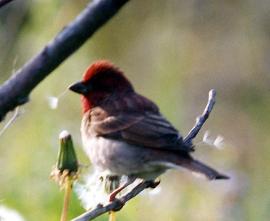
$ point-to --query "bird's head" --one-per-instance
(100, 82)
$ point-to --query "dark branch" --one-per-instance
(4, 2)
(116, 204)
(201, 119)
(16, 90)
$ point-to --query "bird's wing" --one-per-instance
(149, 129)
(154, 131)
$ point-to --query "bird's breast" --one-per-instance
(120, 158)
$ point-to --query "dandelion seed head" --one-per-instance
(92, 192)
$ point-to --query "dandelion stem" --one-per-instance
(68, 187)
(112, 216)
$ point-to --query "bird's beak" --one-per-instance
(79, 87)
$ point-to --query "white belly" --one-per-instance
(120, 158)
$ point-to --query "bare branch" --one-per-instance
(16, 90)
(11, 120)
(4, 2)
(201, 119)
(116, 204)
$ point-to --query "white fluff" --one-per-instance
(7, 214)
(64, 134)
(91, 192)
(217, 142)
(53, 102)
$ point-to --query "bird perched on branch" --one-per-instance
(124, 133)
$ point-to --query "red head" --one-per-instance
(101, 80)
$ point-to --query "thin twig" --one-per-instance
(116, 204)
(11, 120)
(16, 90)
(201, 119)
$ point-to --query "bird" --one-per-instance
(125, 133)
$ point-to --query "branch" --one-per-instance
(16, 90)
(201, 119)
(116, 204)
(4, 2)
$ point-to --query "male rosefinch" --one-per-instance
(124, 133)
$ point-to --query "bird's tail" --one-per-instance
(199, 167)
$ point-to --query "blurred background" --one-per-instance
(174, 52)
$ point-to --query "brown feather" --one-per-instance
(139, 123)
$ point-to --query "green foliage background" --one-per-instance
(174, 52)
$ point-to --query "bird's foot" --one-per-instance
(113, 194)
